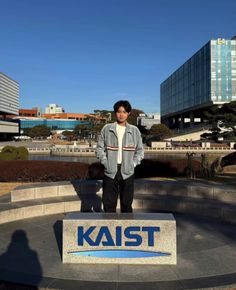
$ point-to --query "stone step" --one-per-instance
(171, 188)
(43, 190)
(12, 211)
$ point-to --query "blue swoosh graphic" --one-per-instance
(119, 254)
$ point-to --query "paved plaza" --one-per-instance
(30, 253)
(31, 248)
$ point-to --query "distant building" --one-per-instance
(54, 109)
(76, 116)
(34, 112)
(9, 107)
(207, 78)
(149, 120)
(53, 124)
(9, 96)
(104, 114)
(71, 116)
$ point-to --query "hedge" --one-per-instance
(39, 170)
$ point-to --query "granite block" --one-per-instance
(45, 192)
(19, 213)
(72, 206)
(228, 196)
(119, 239)
(229, 215)
(33, 211)
(22, 194)
(53, 208)
(206, 209)
(6, 216)
(201, 192)
(66, 190)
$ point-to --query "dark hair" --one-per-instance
(122, 103)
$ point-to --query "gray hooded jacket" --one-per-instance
(132, 150)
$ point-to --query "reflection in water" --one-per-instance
(90, 160)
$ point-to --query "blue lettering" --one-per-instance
(118, 236)
(85, 236)
(104, 231)
(104, 237)
(136, 237)
(151, 231)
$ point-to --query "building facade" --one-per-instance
(9, 107)
(9, 96)
(207, 78)
(54, 109)
(34, 112)
(53, 124)
(77, 116)
(148, 121)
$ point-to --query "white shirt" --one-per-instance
(120, 133)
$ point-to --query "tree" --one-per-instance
(70, 135)
(27, 131)
(40, 131)
(80, 130)
(134, 115)
(132, 118)
(223, 121)
(96, 129)
(104, 114)
(160, 130)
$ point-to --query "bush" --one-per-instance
(229, 159)
(153, 168)
(8, 153)
(47, 171)
(22, 153)
(14, 153)
(41, 171)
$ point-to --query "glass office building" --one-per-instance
(53, 124)
(207, 78)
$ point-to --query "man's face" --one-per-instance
(122, 115)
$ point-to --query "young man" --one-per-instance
(119, 149)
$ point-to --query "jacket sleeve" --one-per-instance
(139, 152)
(100, 149)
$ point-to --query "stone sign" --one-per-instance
(139, 238)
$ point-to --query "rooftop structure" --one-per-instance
(148, 121)
(54, 109)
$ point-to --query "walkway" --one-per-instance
(30, 252)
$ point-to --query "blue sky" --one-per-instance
(87, 54)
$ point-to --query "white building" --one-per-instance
(9, 96)
(148, 120)
(54, 109)
(9, 106)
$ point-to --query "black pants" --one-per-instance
(112, 188)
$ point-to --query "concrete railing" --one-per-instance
(39, 150)
(190, 149)
(73, 151)
(91, 151)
